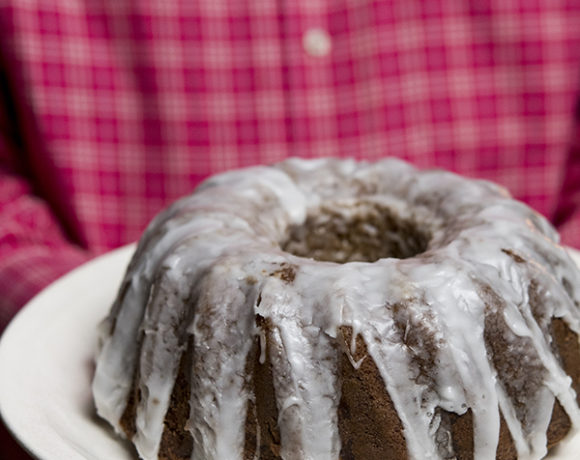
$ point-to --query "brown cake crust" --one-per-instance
(176, 441)
(262, 413)
(367, 420)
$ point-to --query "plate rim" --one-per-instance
(26, 317)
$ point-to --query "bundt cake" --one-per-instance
(325, 309)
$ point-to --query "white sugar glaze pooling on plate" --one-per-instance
(203, 250)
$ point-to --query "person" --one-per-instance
(111, 110)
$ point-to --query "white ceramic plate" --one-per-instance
(46, 367)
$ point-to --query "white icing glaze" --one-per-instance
(208, 265)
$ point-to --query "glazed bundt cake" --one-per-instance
(325, 309)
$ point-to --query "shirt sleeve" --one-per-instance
(567, 215)
(33, 249)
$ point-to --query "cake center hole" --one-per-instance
(361, 232)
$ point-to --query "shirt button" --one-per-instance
(317, 42)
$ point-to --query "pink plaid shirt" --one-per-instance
(111, 109)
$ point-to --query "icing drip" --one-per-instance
(306, 382)
(221, 344)
(212, 263)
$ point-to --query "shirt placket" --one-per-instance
(307, 53)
